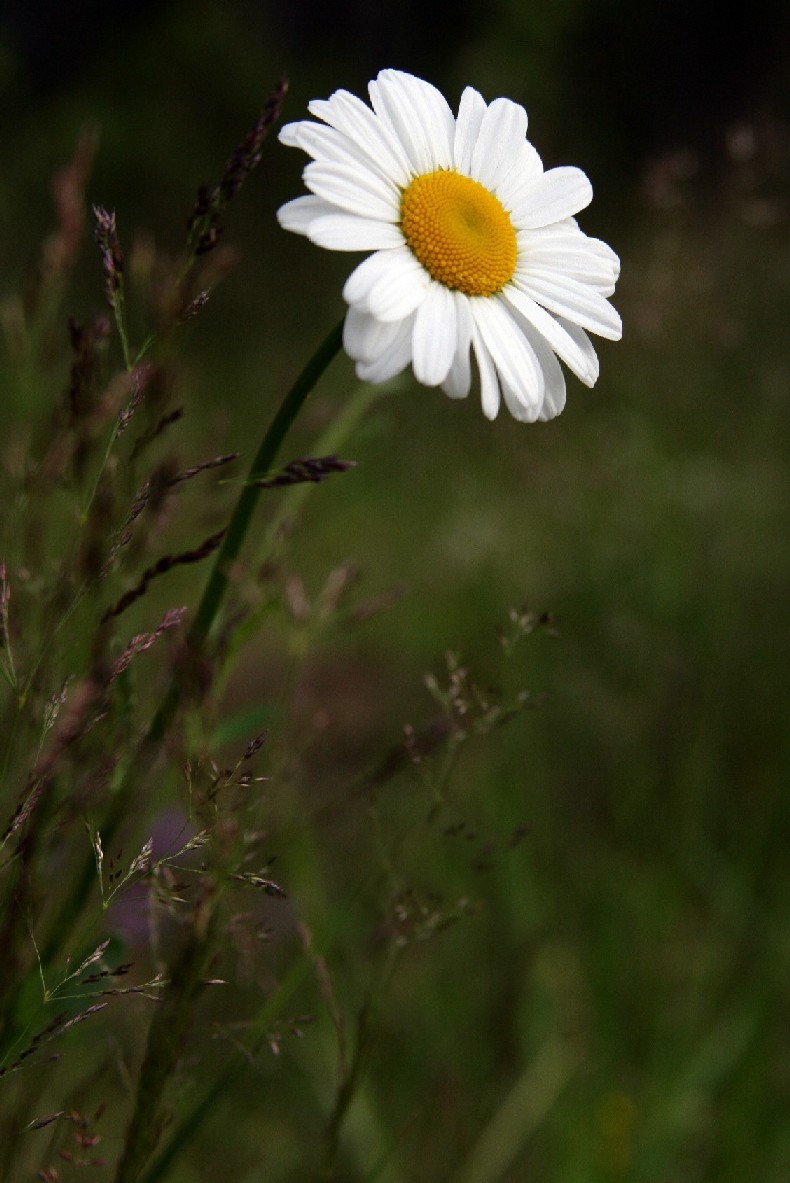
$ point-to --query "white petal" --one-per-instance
(561, 232)
(388, 284)
(299, 214)
(489, 382)
(434, 341)
(564, 257)
(602, 250)
(329, 146)
(289, 133)
(553, 196)
(419, 116)
(554, 392)
(365, 338)
(317, 140)
(399, 289)
(459, 377)
(354, 189)
(392, 359)
(471, 110)
(565, 251)
(561, 264)
(513, 356)
(458, 380)
(399, 293)
(580, 304)
(522, 412)
(554, 333)
(351, 116)
(527, 167)
(359, 283)
(502, 131)
(565, 247)
(338, 231)
(583, 343)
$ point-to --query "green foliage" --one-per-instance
(423, 884)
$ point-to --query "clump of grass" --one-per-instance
(115, 675)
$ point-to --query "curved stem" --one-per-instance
(206, 614)
(242, 514)
(169, 1026)
(264, 458)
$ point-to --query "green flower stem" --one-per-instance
(248, 500)
(242, 514)
(206, 614)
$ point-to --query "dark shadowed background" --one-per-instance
(614, 1007)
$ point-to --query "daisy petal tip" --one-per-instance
(291, 216)
(286, 135)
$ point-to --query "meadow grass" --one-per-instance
(467, 829)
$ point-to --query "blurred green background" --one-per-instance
(614, 1006)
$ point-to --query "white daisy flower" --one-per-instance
(475, 247)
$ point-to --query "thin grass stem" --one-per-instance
(207, 611)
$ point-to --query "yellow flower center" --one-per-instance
(459, 232)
